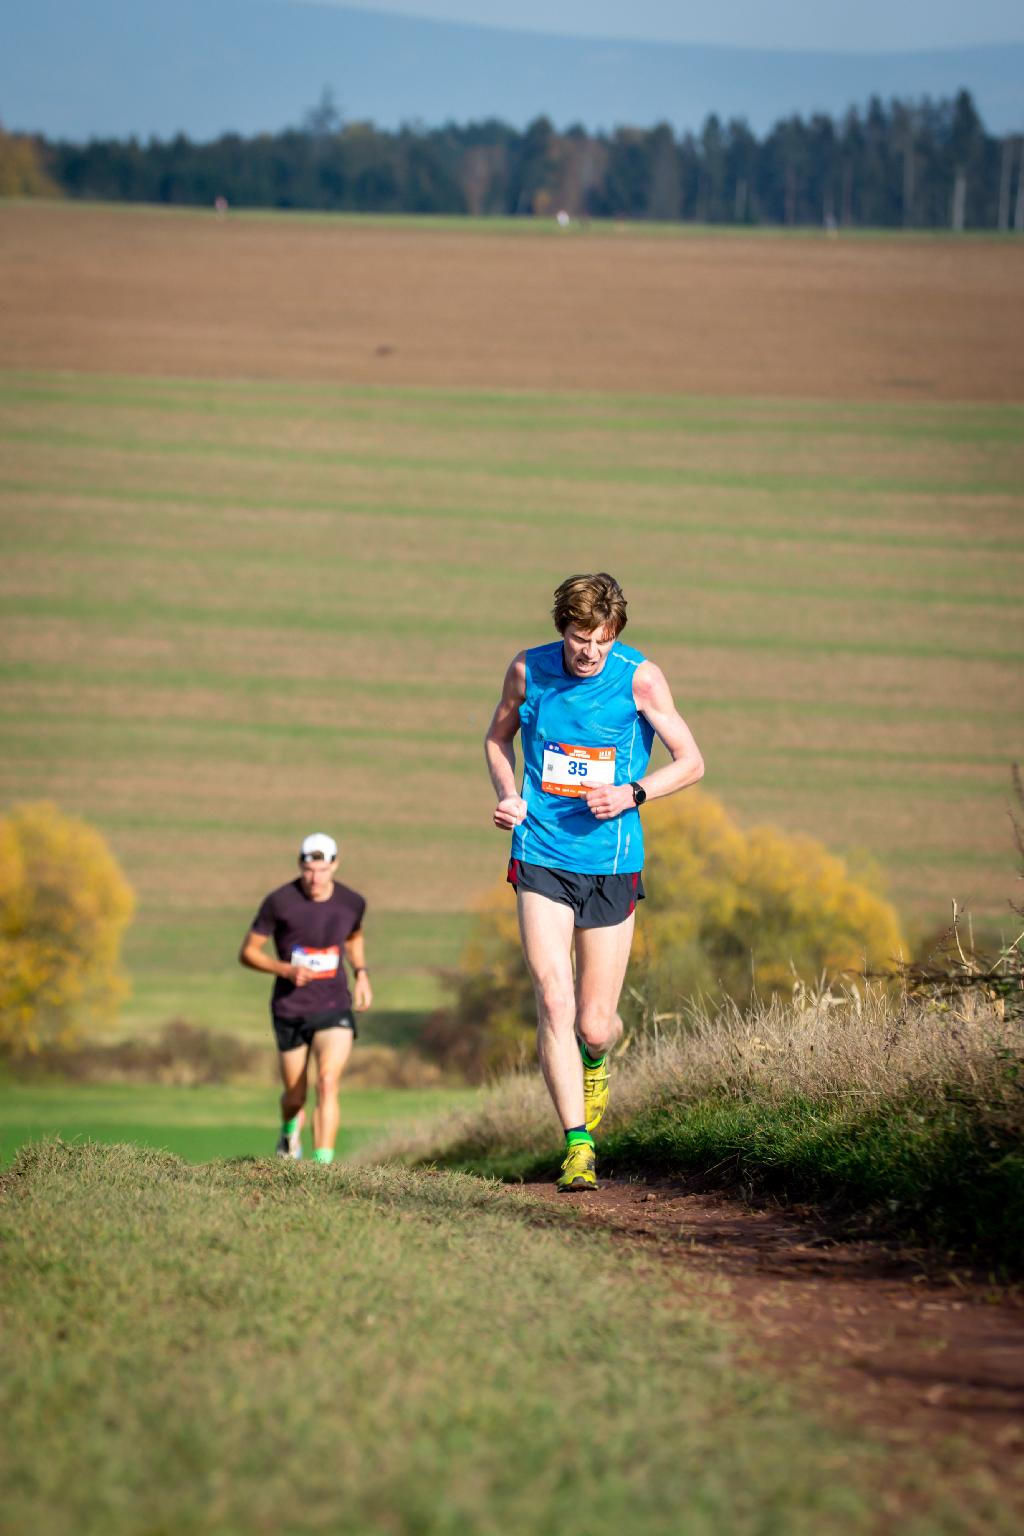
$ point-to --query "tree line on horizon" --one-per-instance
(921, 165)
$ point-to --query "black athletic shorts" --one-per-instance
(599, 901)
(291, 1033)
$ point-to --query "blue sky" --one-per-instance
(855, 25)
(204, 67)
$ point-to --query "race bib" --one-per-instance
(322, 962)
(572, 770)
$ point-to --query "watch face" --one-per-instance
(639, 795)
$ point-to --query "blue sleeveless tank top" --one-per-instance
(576, 733)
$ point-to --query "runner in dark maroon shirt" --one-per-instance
(315, 922)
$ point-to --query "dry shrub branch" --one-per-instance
(956, 966)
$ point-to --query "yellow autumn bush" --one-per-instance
(729, 913)
(21, 168)
(739, 914)
(488, 1025)
(64, 906)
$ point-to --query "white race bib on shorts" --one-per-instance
(571, 771)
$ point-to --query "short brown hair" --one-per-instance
(590, 602)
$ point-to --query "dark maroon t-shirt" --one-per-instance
(311, 933)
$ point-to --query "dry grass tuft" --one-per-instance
(861, 1049)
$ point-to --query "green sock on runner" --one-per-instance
(323, 1155)
(591, 1061)
(578, 1133)
(288, 1126)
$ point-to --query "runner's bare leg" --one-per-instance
(331, 1050)
(602, 955)
(293, 1066)
(547, 928)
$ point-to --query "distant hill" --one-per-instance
(120, 67)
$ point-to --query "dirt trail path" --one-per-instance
(918, 1355)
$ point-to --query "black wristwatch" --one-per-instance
(639, 795)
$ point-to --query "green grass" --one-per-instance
(259, 1347)
(198, 1123)
(927, 1171)
(564, 468)
(186, 966)
(275, 606)
(526, 227)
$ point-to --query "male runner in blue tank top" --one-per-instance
(588, 709)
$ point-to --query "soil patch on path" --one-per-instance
(921, 1352)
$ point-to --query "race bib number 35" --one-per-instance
(322, 962)
(570, 770)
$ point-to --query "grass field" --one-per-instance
(200, 1123)
(264, 616)
(268, 1348)
(236, 609)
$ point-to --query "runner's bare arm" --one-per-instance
(653, 698)
(253, 954)
(355, 954)
(500, 751)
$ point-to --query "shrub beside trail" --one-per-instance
(186, 1055)
(729, 914)
(739, 914)
(900, 1115)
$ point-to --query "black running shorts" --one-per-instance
(291, 1033)
(599, 901)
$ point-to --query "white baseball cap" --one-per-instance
(319, 842)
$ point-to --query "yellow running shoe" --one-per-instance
(579, 1171)
(595, 1094)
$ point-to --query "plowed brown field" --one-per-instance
(147, 291)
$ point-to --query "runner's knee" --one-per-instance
(557, 1001)
(598, 1027)
(327, 1085)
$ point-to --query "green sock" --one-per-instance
(578, 1134)
(591, 1061)
(323, 1155)
(291, 1125)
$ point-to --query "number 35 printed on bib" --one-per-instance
(571, 771)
